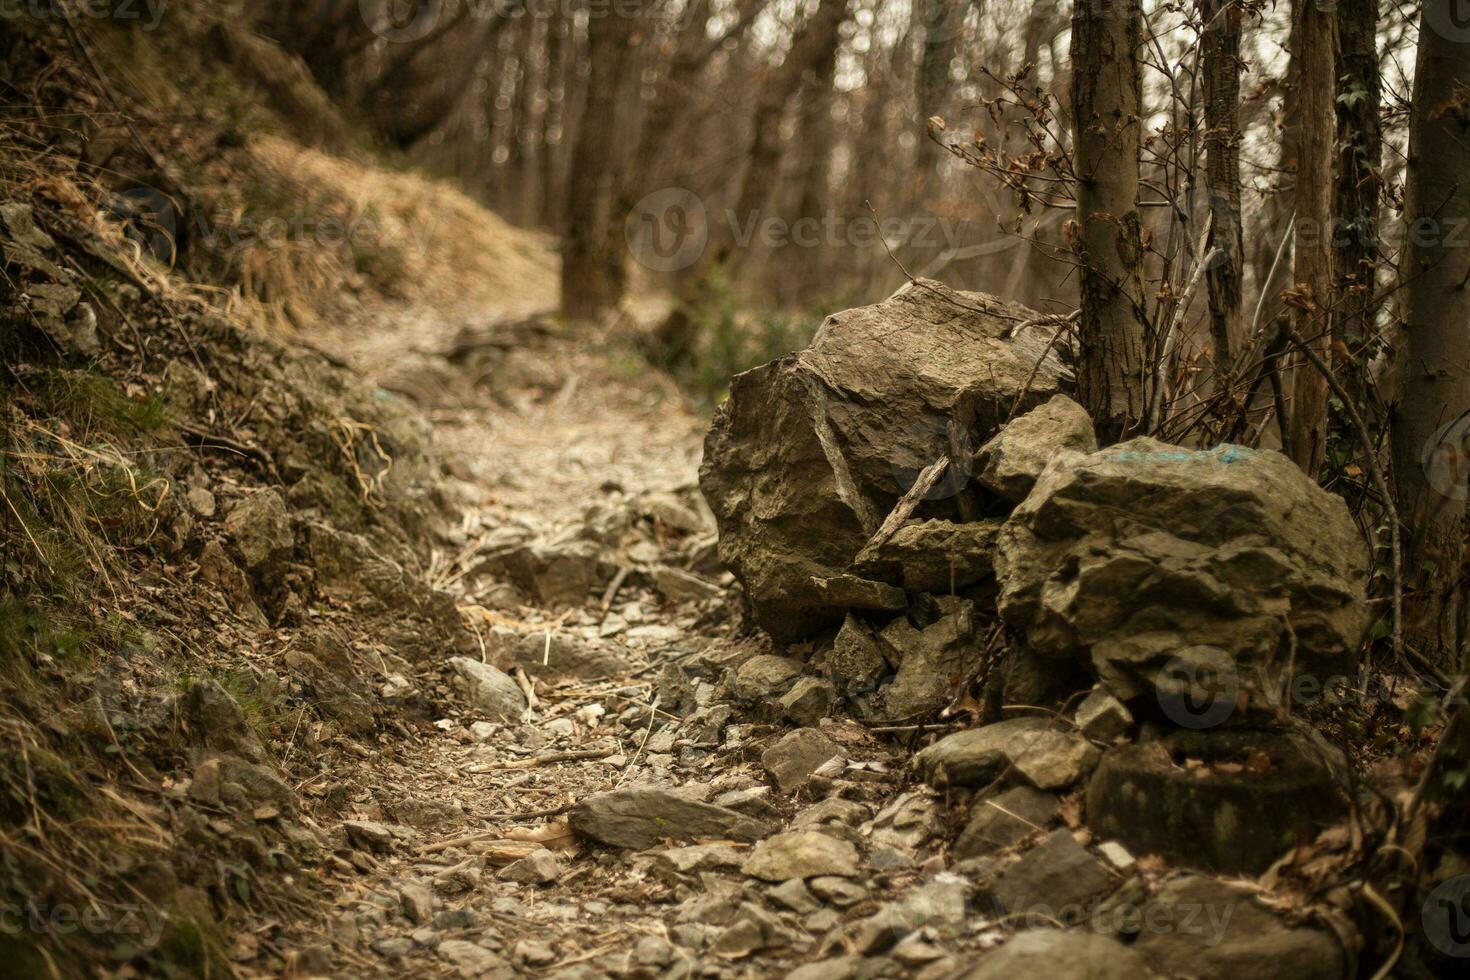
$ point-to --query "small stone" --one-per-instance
(852, 592)
(652, 951)
(801, 854)
(1117, 855)
(533, 953)
(540, 867)
(838, 891)
(1103, 717)
(677, 585)
(369, 835)
(889, 859)
(698, 857)
(417, 902)
(1011, 461)
(912, 951)
(489, 690)
(838, 968)
(1007, 818)
(753, 801)
(764, 678)
(469, 959)
(794, 895)
(808, 701)
(856, 663)
(792, 760)
(1053, 881)
(1044, 757)
(834, 815)
(483, 731)
(393, 948)
(752, 930)
(201, 501)
(260, 527)
(427, 937)
(640, 817)
(1058, 955)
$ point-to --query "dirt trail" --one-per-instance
(559, 426)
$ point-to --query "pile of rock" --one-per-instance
(883, 509)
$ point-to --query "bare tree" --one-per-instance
(1359, 182)
(1106, 111)
(1430, 420)
(593, 276)
(1315, 38)
(1220, 66)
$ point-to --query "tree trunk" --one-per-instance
(1431, 423)
(1221, 69)
(1105, 117)
(815, 40)
(943, 21)
(593, 276)
(1359, 181)
(1316, 52)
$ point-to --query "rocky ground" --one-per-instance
(630, 783)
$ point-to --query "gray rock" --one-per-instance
(837, 891)
(794, 895)
(490, 690)
(696, 858)
(1146, 560)
(1033, 751)
(753, 801)
(540, 867)
(765, 678)
(1248, 798)
(567, 656)
(856, 662)
(246, 786)
(1058, 955)
(468, 959)
(1103, 717)
(260, 528)
(1211, 930)
(1011, 461)
(801, 854)
(558, 573)
(808, 701)
(417, 902)
(393, 947)
(853, 592)
(640, 817)
(753, 929)
(941, 903)
(836, 968)
(677, 585)
(216, 720)
(368, 835)
(792, 760)
(832, 812)
(811, 451)
(1007, 818)
(1053, 882)
(929, 661)
(935, 556)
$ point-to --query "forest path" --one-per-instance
(537, 433)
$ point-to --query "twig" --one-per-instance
(905, 508)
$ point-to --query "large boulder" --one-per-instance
(812, 451)
(1153, 564)
(1229, 801)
